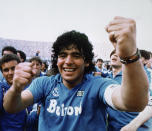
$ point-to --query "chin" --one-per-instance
(69, 78)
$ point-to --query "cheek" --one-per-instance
(60, 62)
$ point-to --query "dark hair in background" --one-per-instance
(9, 48)
(145, 54)
(22, 55)
(8, 58)
(36, 58)
(45, 63)
(100, 60)
(77, 39)
(113, 52)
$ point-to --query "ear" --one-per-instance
(86, 64)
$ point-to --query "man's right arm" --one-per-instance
(15, 102)
(16, 98)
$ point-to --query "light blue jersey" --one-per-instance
(118, 119)
(78, 109)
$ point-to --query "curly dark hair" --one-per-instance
(80, 41)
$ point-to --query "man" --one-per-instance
(143, 120)
(7, 50)
(116, 65)
(37, 64)
(149, 63)
(12, 122)
(118, 119)
(99, 64)
(21, 55)
(33, 113)
(44, 68)
(74, 99)
(149, 67)
(99, 71)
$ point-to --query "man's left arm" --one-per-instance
(133, 93)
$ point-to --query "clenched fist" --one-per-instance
(122, 33)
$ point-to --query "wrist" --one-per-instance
(15, 90)
(134, 124)
(131, 59)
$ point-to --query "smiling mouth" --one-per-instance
(114, 59)
(68, 70)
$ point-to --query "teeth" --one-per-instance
(70, 70)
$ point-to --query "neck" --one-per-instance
(115, 71)
(71, 84)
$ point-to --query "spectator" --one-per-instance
(143, 122)
(149, 68)
(21, 55)
(9, 122)
(33, 113)
(116, 65)
(37, 64)
(37, 53)
(7, 50)
(118, 119)
(145, 56)
(99, 64)
(99, 70)
(44, 67)
(149, 63)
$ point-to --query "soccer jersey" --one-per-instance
(81, 108)
(118, 119)
(10, 122)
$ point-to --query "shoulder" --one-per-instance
(42, 83)
(100, 82)
(45, 79)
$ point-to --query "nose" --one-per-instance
(34, 66)
(11, 71)
(69, 60)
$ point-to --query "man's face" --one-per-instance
(71, 66)
(7, 52)
(115, 61)
(99, 64)
(36, 67)
(144, 61)
(149, 63)
(8, 70)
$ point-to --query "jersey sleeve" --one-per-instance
(106, 91)
(38, 88)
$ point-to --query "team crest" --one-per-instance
(55, 92)
(80, 93)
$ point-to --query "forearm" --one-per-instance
(12, 101)
(143, 116)
(134, 86)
